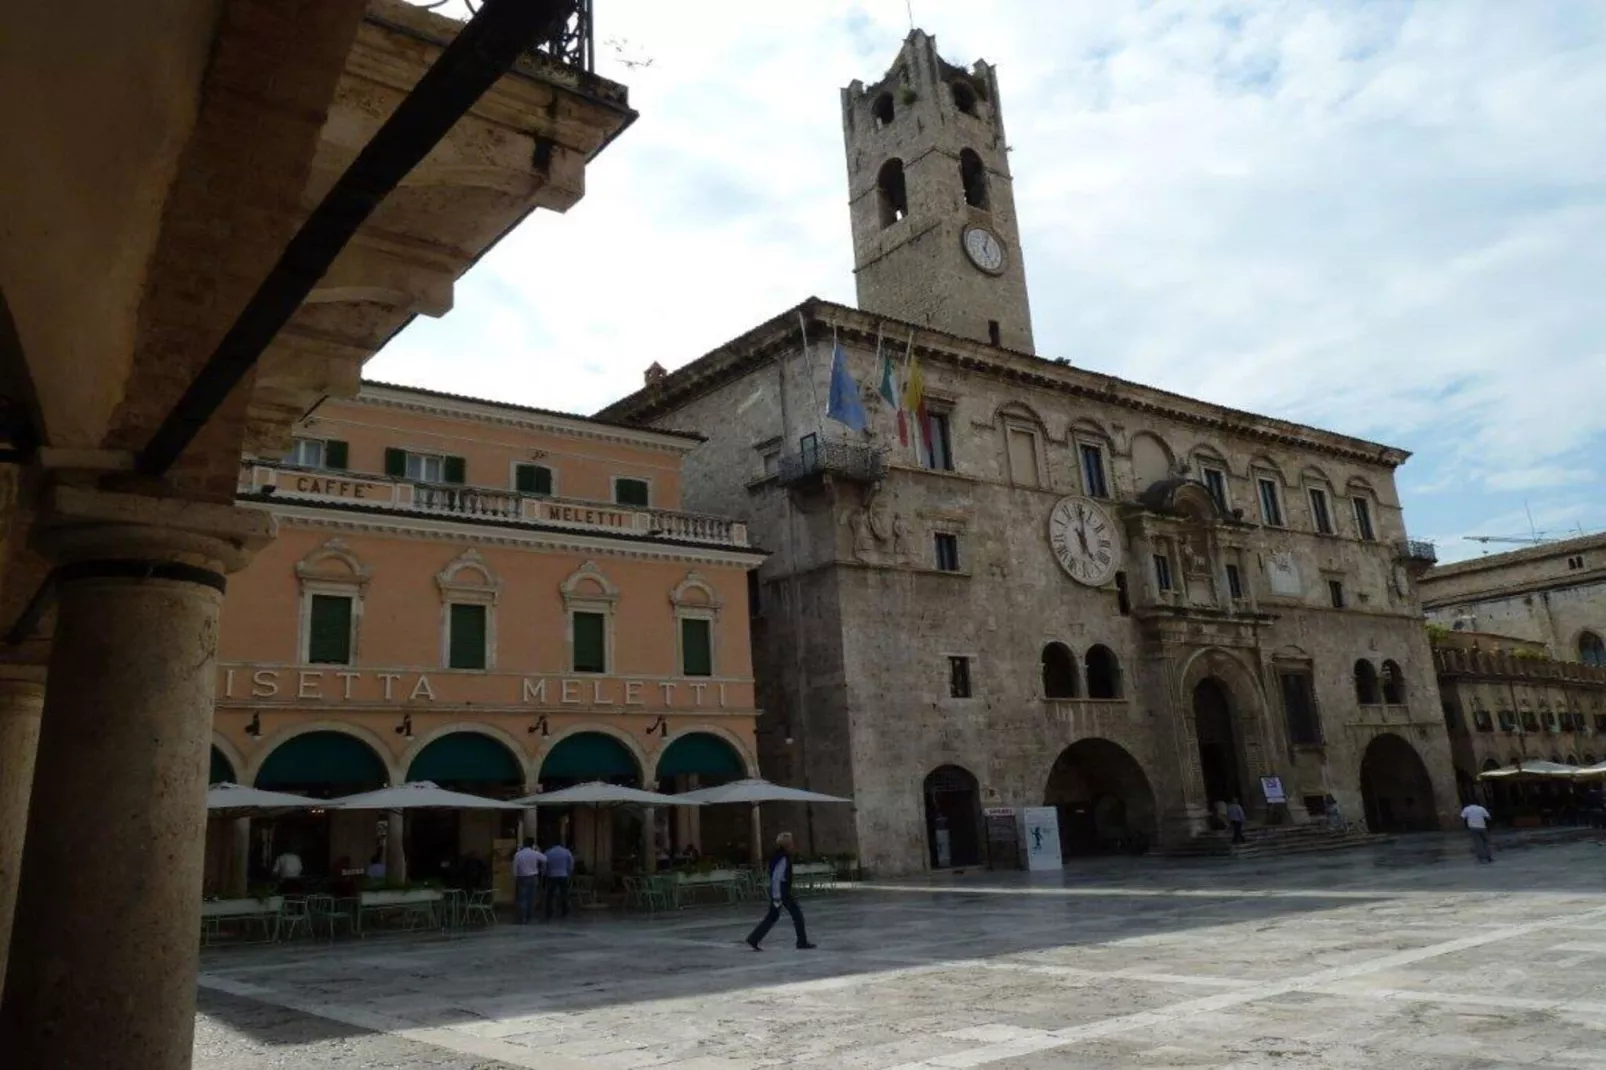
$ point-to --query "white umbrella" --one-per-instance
(1591, 772)
(234, 800)
(756, 791)
(597, 793)
(1537, 769)
(418, 795)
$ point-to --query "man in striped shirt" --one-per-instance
(781, 896)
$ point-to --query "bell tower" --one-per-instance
(935, 240)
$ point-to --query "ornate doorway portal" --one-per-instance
(1219, 759)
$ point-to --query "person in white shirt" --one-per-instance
(1477, 819)
(527, 863)
(287, 870)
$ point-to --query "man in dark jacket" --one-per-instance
(780, 896)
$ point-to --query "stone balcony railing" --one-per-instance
(1389, 713)
(842, 460)
(1090, 716)
(1499, 665)
(288, 483)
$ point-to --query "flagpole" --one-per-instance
(808, 368)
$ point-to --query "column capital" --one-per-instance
(79, 526)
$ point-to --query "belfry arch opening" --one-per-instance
(973, 176)
(964, 97)
(892, 195)
(1059, 671)
(881, 110)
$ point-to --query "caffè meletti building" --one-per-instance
(497, 599)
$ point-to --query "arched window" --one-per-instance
(973, 173)
(1059, 671)
(964, 98)
(890, 192)
(1393, 684)
(1366, 692)
(1103, 673)
(1591, 649)
(881, 110)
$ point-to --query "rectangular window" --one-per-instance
(307, 453)
(631, 492)
(1094, 483)
(1319, 513)
(947, 547)
(1123, 598)
(1508, 721)
(1299, 704)
(590, 642)
(465, 645)
(1022, 457)
(696, 647)
(1363, 518)
(1162, 572)
(993, 334)
(940, 448)
(1215, 481)
(1271, 509)
(958, 677)
(532, 479)
(1235, 582)
(1335, 593)
(1482, 721)
(329, 630)
(808, 448)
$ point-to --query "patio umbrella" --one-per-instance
(1535, 770)
(756, 791)
(598, 793)
(234, 800)
(1591, 772)
(418, 795)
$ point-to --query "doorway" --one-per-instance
(953, 818)
(1219, 762)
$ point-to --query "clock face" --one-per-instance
(1085, 540)
(984, 249)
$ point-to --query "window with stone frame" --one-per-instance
(959, 682)
(535, 479)
(696, 616)
(1095, 473)
(1214, 478)
(1023, 453)
(1299, 707)
(937, 451)
(1361, 506)
(590, 601)
(628, 490)
(1321, 513)
(1481, 720)
(332, 583)
(323, 453)
(1271, 502)
(469, 590)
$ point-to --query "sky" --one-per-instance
(1383, 218)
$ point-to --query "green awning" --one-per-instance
(466, 757)
(589, 756)
(221, 769)
(703, 755)
(322, 758)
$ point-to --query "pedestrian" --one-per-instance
(287, 871)
(1235, 818)
(1477, 819)
(781, 896)
(559, 868)
(527, 861)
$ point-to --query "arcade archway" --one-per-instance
(1395, 787)
(456, 846)
(1104, 799)
(953, 818)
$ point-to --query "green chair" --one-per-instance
(480, 909)
(328, 913)
(295, 916)
(666, 888)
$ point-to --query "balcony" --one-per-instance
(286, 483)
(1418, 555)
(837, 460)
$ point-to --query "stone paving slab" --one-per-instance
(1405, 955)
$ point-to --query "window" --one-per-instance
(947, 546)
(328, 453)
(973, 176)
(1271, 510)
(465, 643)
(1103, 673)
(425, 467)
(1591, 649)
(1123, 599)
(1530, 721)
(958, 677)
(1393, 684)
(631, 491)
(1335, 593)
(1059, 671)
(808, 451)
(532, 479)
(1319, 513)
(1299, 706)
(994, 335)
(891, 196)
(329, 629)
(1575, 562)
(1452, 717)
(881, 110)
(1508, 721)
(940, 448)
(1022, 456)
(1215, 481)
(1162, 572)
(1363, 518)
(1094, 484)
(696, 647)
(1366, 690)
(590, 641)
(1482, 721)
(1235, 583)
(964, 97)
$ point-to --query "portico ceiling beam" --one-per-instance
(483, 51)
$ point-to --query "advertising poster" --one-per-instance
(1041, 828)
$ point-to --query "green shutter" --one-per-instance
(455, 470)
(329, 630)
(335, 454)
(696, 648)
(543, 480)
(630, 491)
(395, 463)
(590, 642)
(466, 647)
(524, 478)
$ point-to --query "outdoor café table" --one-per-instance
(265, 912)
(410, 903)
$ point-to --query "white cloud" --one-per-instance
(1386, 219)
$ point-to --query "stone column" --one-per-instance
(529, 825)
(21, 701)
(756, 833)
(239, 878)
(102, 971)
(649, 839)
(395, 846)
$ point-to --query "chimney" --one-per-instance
(655, 373)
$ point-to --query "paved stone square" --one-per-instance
(1405, 955)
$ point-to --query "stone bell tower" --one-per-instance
(935, 240)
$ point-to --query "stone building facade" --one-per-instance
(934, 637)
(1553, 595)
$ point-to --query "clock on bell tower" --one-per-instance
(935, 240)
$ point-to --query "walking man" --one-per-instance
(1235, 818)
(559, 868)
(526, 875)
(1477, 819)
(781, 896)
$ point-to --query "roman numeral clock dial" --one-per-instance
(1085, 541)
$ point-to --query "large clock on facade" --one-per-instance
(1085, 540)
(984, 249)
